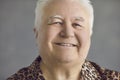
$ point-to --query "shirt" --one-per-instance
(89, 71)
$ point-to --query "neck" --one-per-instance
(61, 72)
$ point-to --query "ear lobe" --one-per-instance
(35, 32)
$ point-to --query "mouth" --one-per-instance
(66, 44)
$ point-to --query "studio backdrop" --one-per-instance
(17, 40)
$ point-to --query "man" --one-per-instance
(63, 30)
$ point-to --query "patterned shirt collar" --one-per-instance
(88, 71)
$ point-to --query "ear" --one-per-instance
(35, 32)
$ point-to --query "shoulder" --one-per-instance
(106, 74)
(27, 73)
(22, 74)
(31, 72)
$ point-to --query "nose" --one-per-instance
(67, 31)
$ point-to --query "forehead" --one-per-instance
(65, 9)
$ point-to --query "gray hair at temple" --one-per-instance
(41, 3)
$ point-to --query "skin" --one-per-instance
(63, 21)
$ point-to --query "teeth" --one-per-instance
(65, 44)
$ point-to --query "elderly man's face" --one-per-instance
(64, 33)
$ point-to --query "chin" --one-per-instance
(65, 58)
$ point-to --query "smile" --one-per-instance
(66, 44)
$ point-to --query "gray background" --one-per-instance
(17, 40)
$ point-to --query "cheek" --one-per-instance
(47, 34)
(51, 34)
(47, 37)
(83, 37)
(84, 41)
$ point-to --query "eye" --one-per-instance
(58, 23)
(76, 25)
(55, 22)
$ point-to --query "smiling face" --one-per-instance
(64, 33)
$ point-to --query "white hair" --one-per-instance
(42, 3)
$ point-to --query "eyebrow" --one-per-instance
(79, 19)
(60, 17)
(56, 16)
(53, 17)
